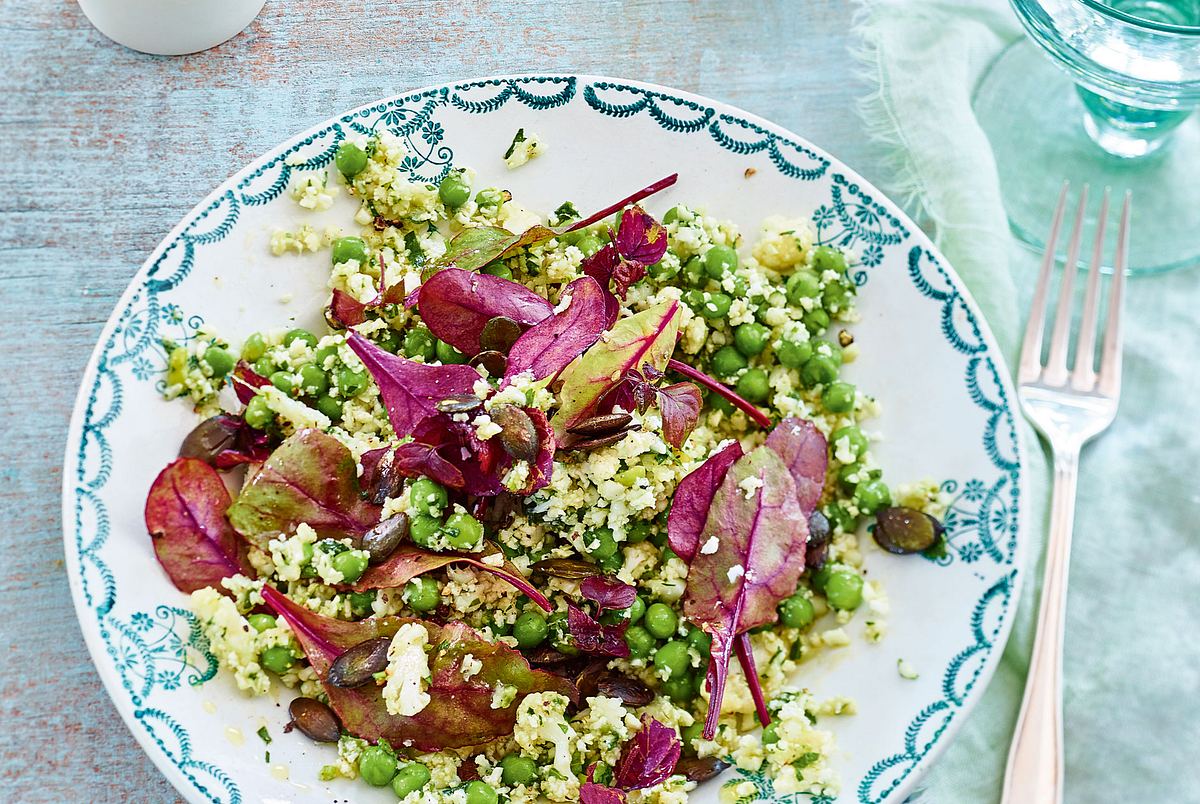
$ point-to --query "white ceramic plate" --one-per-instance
(925, 351)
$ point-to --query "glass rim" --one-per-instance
(1142, 22)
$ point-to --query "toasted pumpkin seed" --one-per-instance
(518, 435)
(569, 568)
(383, 539)
(357, 665)
(315, 720)
(495, 362)
(904, 531)
(460, 403)
(602, 425)
(699, 770)
(499, 334)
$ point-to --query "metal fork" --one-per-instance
(1068, 408)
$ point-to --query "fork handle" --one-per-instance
(1034, 774)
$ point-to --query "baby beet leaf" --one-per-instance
(693, 497)
(647, 337)
(649, 757)
(805, 452)
(607, 593)
(456, 304)
(408, 561)
(757, 555)
(459, 712)
(598, 639)
(680, 407)
(185, 516)
(311, 478)
(549, 347)
(410, 390)
(346, 310)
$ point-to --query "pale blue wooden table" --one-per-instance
(105, 149)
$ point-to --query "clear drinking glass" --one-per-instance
(1112, 105)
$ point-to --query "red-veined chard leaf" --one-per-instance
(693, 498)
(346, 310)
(679, 404)
(456, 304)
(312, 478)
(590, 792)
(410, 391)
(745, 654)
(607, 593)
(649, 757)
(758, 535)
(640, 237)
(476, 246)
(645, 338)
(246, 382)
(415, 459)
(594, 637)
(549, 346)
(409, 561)
(805, 452)
(639, 241)
(459, 712)
(756, 415)
(185, 516)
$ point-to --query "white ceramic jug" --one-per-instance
(170, 27)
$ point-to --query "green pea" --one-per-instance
(498, 269)
(419, 342)
(843, 589)
(428, 496)
(689, 734)
(818, 370)
(588, 244)
(841, 518)
(671, 215)
(693, 273)
(330, 406)
(261, 622)
(740, 286)
(448, 354)
(530, 629)
(323, 354)
(254, 347)
(728, 361)
(827, 258)
(349, 248)
(836, 297)
(637, 610)
(853, 436)
(454, 190)
(672, 658)
(463, 531)
(313, 381)
(794, 354)
(719, 261)
(377, 765)
(351, 564)
(424, 529)
(661, 620)
(350, 159)
(750, 338)
(516, 769)
(753, 385)
(350, 382)
(410, 778)
(680, 689)
(663, 271)
(264, 367)
(700, 640)
(830, 350)
(796, 611)
(638, 532)
(490, 197)
(481, 793)
(258, 414)
(838, 397)
(716, 305)
(306, 553)
(872, 495)
(299, 334)
(802, 285)
(770, 735)
(600, 543)
(361, 602)
(284, 381)
(639, 640)
(219, 360)
(422, 594)
(849, 476)
(718, 402)
(278, 659)
(390, 341)
(816, 320)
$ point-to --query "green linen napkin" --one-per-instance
(1132, 658)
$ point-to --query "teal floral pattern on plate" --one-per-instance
(150, 652)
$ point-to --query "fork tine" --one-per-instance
(1110, 357)
(1083, 378)
(1060, 335)
(1031, 347)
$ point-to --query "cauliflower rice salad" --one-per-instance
(556, 507)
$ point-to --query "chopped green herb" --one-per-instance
(566, 211)
(519, 137)
(264, 735)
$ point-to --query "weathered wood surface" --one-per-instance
(105, 149)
